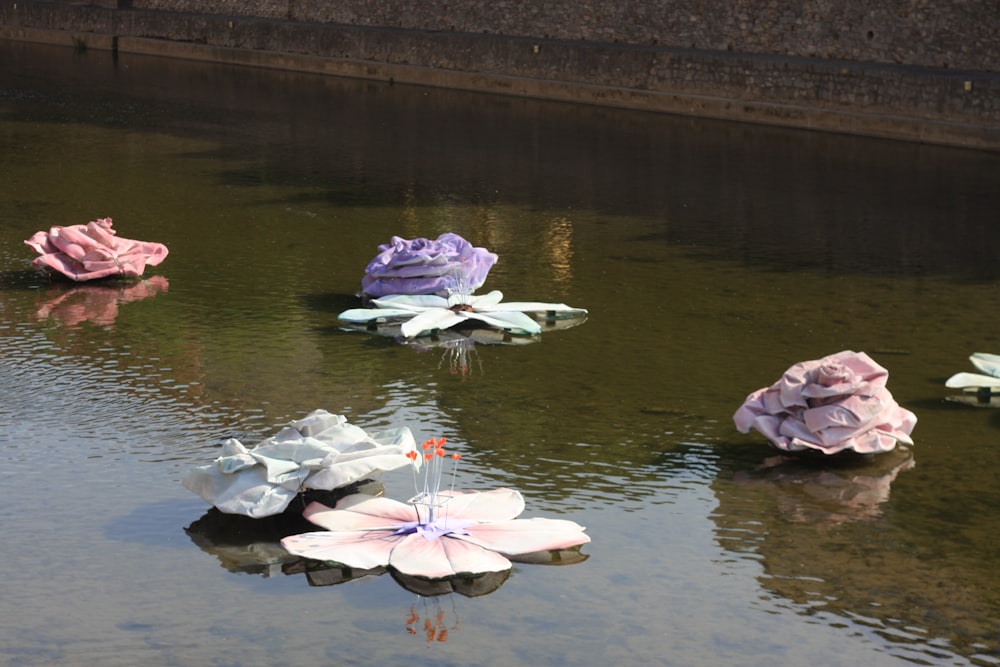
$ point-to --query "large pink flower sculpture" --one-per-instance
(437, 534)
(472, 533)
(829, 405)
(444, 266)
(87, 252)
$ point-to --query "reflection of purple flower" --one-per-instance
(832, 404)
(421, 266)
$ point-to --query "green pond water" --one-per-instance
(710, 257)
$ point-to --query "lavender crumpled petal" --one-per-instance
(829, 405)
(91, 251)
(422, 266)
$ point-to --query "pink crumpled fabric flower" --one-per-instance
(829, 405)
(87, 252)
(421, 266)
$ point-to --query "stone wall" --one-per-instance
(950, 34)
(753, 61)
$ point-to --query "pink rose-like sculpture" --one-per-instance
(829, 405)
(87, 252)
(447, 265)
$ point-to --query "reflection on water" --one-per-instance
(708, 255)
(96, 303)
(821, 535)
(828, 493)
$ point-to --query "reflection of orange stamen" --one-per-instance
(443, 635)
(410, 620)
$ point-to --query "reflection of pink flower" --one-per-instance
(829, 405)
(421, 266)
(98, 303)
(466, 533)
(86, 252)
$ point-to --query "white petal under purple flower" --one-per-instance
(424, 314)
(471, 533)
(829, 405)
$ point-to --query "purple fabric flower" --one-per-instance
(421, 266)
(829, 405)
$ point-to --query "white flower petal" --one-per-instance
(486, 301)
(412, 302)
(987, 363)
(539, 307)
(429, 320)
(361, 315)
(510, 321)
(971, 380)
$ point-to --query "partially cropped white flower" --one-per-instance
(988, 364)
(424, 314)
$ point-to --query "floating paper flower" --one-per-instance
(86, 252)
(833, 404)
(320, 452)
(437, 534)
(986, 363)
(423, 314)
(421, 266)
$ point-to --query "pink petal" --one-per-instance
(85, 252)
(522, 536)
(364, 550)
(444, 557)
(361, 512)
(748, 412)
(494, 505)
